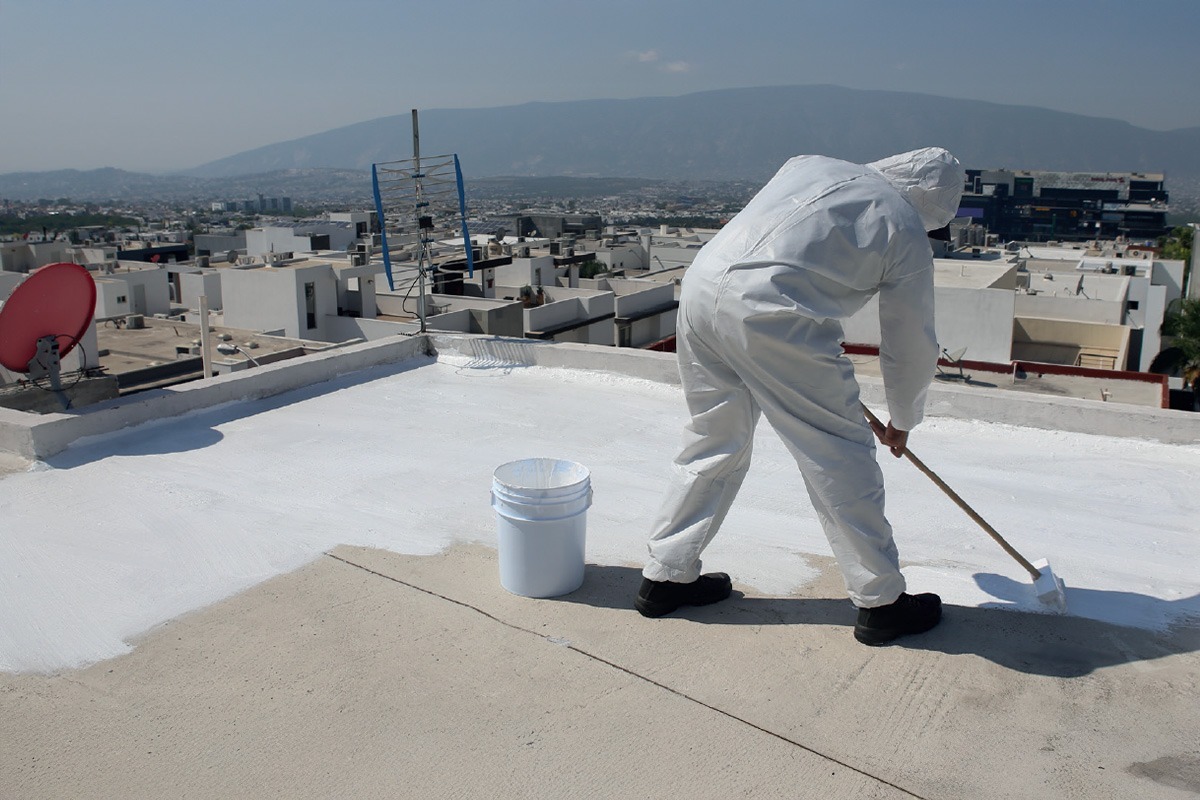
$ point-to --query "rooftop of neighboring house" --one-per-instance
(125, 349)
(974, 274)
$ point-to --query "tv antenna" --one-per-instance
(44, 319)
(420, 202)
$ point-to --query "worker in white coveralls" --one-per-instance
(760, 331)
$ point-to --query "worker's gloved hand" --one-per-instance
(894, 439)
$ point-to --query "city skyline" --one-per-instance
(156, 87)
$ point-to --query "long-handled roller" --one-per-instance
(1049, 588)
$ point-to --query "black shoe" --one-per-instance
(909, 614)
(656, 598)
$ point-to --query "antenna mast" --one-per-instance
(424, 221)
(419, 203)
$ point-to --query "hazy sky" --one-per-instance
(156, 85)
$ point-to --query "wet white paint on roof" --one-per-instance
(122, 533)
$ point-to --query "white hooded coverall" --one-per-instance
(759, 331)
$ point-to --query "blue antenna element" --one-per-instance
(387, 256)
(462, 211)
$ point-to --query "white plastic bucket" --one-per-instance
(541, 525)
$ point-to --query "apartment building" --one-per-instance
(1032, 206)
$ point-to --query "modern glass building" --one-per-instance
(1030, 206)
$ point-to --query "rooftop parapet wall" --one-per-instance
(989, 405)
(33, 436)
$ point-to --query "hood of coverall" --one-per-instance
(930, 179)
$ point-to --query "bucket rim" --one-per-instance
(581, 473)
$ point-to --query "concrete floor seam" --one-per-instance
(633, 674)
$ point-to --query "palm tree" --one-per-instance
(1182, 324)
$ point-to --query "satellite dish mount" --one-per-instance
(46, 363)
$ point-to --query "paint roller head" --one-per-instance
(1049, 588)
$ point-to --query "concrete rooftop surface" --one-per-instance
(297, 595)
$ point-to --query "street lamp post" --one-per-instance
(229, 349)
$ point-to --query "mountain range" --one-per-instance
(733, 134)
(722, 135)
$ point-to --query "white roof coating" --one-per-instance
(114, 536)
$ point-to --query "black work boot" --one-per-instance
(656, 598)
(909, 614)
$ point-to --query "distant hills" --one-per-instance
(109, 184)
(733, 134)
(725, 135)
(88, 184)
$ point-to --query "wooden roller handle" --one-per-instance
(933, 476)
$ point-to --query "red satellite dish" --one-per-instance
(56, 300)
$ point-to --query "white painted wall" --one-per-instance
(194, 284)
(670, 256)
(633, 296)
(394, 304)
(146, 291)
(356, 289)
(353, 217)
(980, 320)
(343, 329)
(653, 328)
(112, 298)
(219, 244)
(459, 321)
(1154, 308)
(86, 354)
(273, 299)
(1075, 308)
(25, 256)
(597, 333)
(341, 235)
(977, 319)
(259, 300)
(325, 285)
(1138, 293)
(574, 305)
(552, 315)
(260, 241)
(1170, 275)
(596, 304)
(622, 256)
(525, 272)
